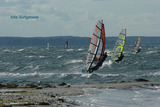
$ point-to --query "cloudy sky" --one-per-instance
(78, 17)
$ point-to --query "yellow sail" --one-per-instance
(119, 45)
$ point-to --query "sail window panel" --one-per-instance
(100, 49)
(99, 25)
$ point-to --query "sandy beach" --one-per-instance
(52, 95)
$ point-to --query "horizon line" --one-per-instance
(64, 36)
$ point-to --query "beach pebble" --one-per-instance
(44, 103)
(62, 84)
(140, 80)
(30, 86)
(48, 86)
(1, 86)
(11, 85)
(60, 99)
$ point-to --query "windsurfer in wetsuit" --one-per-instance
(99, 64)
(120, 58)
(138, 50)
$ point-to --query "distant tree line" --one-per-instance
(72, 41)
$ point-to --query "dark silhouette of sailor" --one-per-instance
(120, 58)
(99, 64)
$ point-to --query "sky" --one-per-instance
(78, 17)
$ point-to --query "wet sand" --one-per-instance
(52, 95)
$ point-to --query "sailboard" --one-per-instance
(137, 45)
(66, 45)
(96, 46)
(47, 46)
(119, 46)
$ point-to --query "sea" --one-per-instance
(33, 65)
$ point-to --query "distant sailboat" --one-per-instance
(117, 52)
(137, 45)
(66, 45)
(96, 48)
(47, 46)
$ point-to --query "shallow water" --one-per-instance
(136, 97)
(23, 65)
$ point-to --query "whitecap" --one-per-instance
(87, 75)
(108, 52)
(20, 50)
(29, 66)
(69, 49)
(63, 75)
(74, 61)
(14, 68)
(107, 63)
(59, 56)
(5, 74)
(30, 56)
(7, 50)
(110, 75)
(80, 49)
(37, 67)
(41, 56)
(151, 52)
(152, 74)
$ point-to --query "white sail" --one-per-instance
(47, 46)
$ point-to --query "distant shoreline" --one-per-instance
(72, 41)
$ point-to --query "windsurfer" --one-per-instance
(138, 50)
(120, 58)
(99, 64)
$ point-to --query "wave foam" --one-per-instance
(59, 57)
(7, 50)
(20, 50)
(110, 75)
(152, 74)
(38, 74)
(151, 52)
(74, 61)
(69, 49)
(80, 49)
(41, 56)
(107, 63)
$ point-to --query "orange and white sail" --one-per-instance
(66, 45)
(96, 46)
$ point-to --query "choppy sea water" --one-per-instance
(23, 65)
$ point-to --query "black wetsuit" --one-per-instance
(138, 50)
(99, 64)
(120, 58)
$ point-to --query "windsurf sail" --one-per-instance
(47, 46)
(137, 45)
(66, 45)
(96, 46)
(119, 45)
